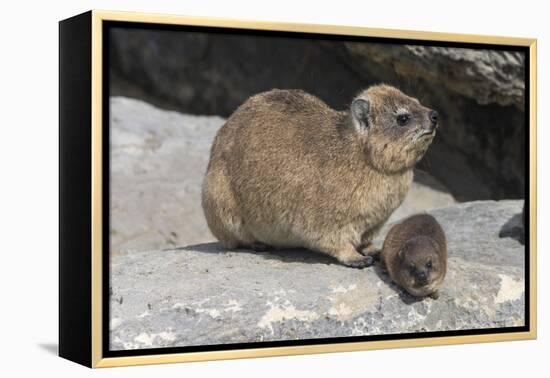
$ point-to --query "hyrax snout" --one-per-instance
(286, 170)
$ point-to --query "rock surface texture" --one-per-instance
(486, 76)
(158, 161)
(479, 152)
(202, 294)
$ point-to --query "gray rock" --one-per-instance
(426, 193)
(213, 73)
(158, 161)
(201, 294)
(486, 76)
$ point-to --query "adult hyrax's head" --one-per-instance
(420, 270)
(395, 129)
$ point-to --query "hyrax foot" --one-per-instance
(365, 262)
(349, 256)
(369, 250)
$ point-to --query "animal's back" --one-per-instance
(274, 124)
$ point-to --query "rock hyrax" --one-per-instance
(415, 254)
(286, 170)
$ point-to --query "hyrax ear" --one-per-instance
(360, 112)
(401, 254)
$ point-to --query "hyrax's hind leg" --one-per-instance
(221, 210)
(348, 255)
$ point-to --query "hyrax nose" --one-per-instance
(422, 277)
(434, 118)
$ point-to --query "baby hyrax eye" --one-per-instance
(403, 119)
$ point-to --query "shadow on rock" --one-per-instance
(382, 273)
(300, 255)
(202, 247)
(513, 228)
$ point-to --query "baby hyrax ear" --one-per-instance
(401, 254)
(360, 113)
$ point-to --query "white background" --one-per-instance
(29, 178)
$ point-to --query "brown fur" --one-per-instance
(409, 247)
(286, 170)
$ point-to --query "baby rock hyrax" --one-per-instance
(286, 170)
(415, 254)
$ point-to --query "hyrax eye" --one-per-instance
(403, 119)
(429, 265)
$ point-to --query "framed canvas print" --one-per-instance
(234, 189)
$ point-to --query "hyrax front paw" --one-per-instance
(348, 255)
(369, 250)
(361, 263)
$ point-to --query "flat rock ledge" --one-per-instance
(202, 294)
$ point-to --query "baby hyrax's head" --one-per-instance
(395, 129)
(420, 269)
